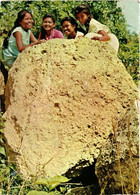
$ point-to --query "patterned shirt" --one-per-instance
(55, 34)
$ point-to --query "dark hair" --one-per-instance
(20, 17)
(70, 20)
(84, 8)
(43, 32)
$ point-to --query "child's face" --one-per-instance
(82, 17)
(68, 28)
(27, 22)
(48, 24)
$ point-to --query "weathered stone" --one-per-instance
(117, 166)
(2, 85)
(61, 98)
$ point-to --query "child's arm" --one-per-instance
(35, 41)
(39, 36)
(105, 36)
(19, 42)
(32, 38)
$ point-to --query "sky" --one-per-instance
(130, 9)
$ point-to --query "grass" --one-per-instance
(118, 157)
(132, 168)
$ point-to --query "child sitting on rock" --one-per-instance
(19, 38)
(47, 29)
(94, 29)
(69, 27)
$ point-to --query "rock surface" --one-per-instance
(2, 87)
(117, 166)
(1, 84)
(61, 99)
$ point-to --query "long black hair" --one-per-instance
(84, 8)
(20, 17)
(43, 32)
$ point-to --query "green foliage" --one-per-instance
(34, 192)
(104, 11)
(129, 54)
(51, 183)
(2, 143)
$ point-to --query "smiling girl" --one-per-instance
(19, 38)
(47, 29)
(69, 27)
(94, 29)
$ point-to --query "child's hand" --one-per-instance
(42, 41)
(95, 38)
(39, 42)
(80, 36)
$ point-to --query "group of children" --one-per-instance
(21, 37)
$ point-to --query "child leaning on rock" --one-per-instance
(47, 29)
(94, 29)
(19, 38)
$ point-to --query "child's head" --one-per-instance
(83, 13)
(48, 22)
(24, 19)
(69, 27)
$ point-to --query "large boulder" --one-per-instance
(61, 99)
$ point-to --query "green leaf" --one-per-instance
(34, 192)
(2, 162)
(42, 181)
(52, 182)
(2, 130)
(7, 170)
(1, 139)
(53, 185)
(58, 178)
(2, 123)
(2, 151)
(55, 181)
(62, 189)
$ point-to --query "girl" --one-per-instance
(19, 38)
(94, 29)
(47, 30)
(69, 27)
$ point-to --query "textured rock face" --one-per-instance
(117, 166)
(61, 98)
(1, 84)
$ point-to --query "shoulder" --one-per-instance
(94, 22)
(17, 29)
(20, 29)
(58, 33)
(99, 25)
